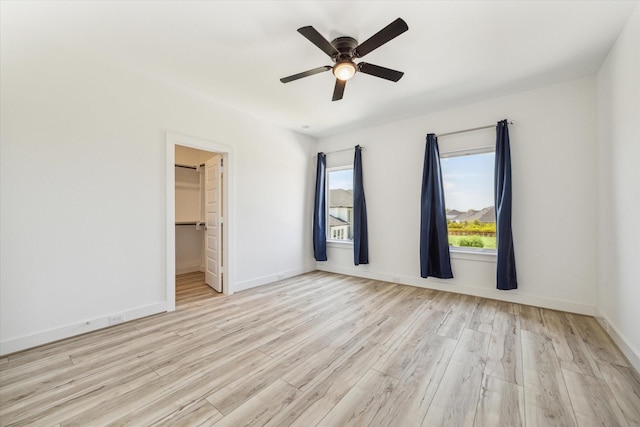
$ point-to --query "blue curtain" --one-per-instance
(360, 235)
(320, 211)
(506, 262)
(434, 241)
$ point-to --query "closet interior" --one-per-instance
(198, 213)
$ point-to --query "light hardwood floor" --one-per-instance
(328, 350)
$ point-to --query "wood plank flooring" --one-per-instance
(323, 349)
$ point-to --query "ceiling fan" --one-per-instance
(344, 50)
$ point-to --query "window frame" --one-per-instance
(330, 240)
(461, 251)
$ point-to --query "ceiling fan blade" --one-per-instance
(338, 91)
(378, 71)
(386, 34)
(316, 38)
(305, 74)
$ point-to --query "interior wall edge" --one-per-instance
(436, 284)
(68, 331)
(192, 268)
(623, 343)
(271, 278)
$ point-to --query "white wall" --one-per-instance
(618, 287)
(553, 148)
(83, 155)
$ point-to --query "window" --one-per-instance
(467, 179)
(340, 203)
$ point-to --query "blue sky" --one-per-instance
(468, 181)
(341, 179)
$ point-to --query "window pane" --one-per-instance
(468, 192)
(340, 183)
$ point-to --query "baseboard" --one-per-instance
(89, 325)
(632, 355)
(270, 278)
(515, 296)
(188, 269)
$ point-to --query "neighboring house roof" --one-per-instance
(341, 198)
(336, 222)
(484, 215)
(488, 215)
(464, 216)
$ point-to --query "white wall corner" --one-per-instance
(632, 354)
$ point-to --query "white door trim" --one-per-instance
(173, 139)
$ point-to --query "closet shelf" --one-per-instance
(187, 186)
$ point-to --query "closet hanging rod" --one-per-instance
(188, 167)
(468, 130)
(190, 223)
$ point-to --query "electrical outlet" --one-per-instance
(116, 318)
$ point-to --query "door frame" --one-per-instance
(228, 200)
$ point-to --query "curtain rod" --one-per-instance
(468, 130)
(337, 151)
(476, 150)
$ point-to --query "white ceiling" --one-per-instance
(234, 52)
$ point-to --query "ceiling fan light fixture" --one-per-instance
(343, 51)
(344, 70)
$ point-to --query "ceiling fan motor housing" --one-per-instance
(346, 46)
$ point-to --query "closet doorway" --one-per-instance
(198, 211)
(199, 223)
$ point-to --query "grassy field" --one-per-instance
(489, 242)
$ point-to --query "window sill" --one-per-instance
(344, 244)
(473, 255)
